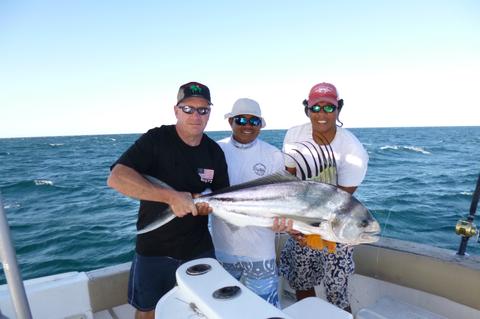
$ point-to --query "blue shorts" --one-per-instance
(151, 277)
(260, 276)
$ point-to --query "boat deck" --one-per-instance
(425, 277)
(120, 312)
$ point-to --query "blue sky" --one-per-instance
(101, 67)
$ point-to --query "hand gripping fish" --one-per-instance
(314, 207)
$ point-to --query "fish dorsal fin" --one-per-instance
(279, 177)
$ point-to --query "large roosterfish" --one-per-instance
(314, 207)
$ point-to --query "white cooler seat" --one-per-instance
(314, 308)
(194, 297)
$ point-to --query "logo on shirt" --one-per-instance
(259, 169)
(206, 175)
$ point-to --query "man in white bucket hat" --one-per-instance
(248, 252)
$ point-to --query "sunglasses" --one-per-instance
(326, 108)
(242, 121)
(190, 109)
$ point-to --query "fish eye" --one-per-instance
(364, 223)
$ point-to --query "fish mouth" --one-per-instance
(370, 237)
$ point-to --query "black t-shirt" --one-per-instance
(161, 153)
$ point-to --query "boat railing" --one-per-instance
(11, 269)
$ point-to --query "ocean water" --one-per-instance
(63, 217)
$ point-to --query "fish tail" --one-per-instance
(165, 216)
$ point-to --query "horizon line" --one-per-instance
(212, 131)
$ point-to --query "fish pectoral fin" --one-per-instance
(322, 229)
(304, 228)
(163, 218)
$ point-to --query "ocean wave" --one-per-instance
(11, 206)
(408, 148)
(40, 182)
(25, 184)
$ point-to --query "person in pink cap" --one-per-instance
(324, 151)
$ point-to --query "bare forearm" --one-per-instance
(130, 183)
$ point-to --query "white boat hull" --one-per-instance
(433, 279)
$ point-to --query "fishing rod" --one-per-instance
(10, 267)
(465, 227)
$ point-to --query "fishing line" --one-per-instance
(384, 228)
(381, 235)
(193, 307)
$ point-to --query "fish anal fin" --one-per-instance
(233, 228)
(240, 220)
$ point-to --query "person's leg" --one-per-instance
(144, 315)
(339, 267)
(302, 294)
(150, 278)
(302, 268)
(261, 277)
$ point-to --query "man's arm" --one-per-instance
(130, 183)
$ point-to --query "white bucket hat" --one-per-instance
(246, 106)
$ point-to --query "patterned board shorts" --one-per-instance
(305, 268)
(259, 276)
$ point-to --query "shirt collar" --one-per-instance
(241, 145)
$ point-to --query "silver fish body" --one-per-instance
(314, 208)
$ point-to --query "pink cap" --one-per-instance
(323, 92)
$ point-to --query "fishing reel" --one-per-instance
(466, 228)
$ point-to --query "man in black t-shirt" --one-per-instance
(190, 162)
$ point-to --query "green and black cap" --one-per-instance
(193, 89)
